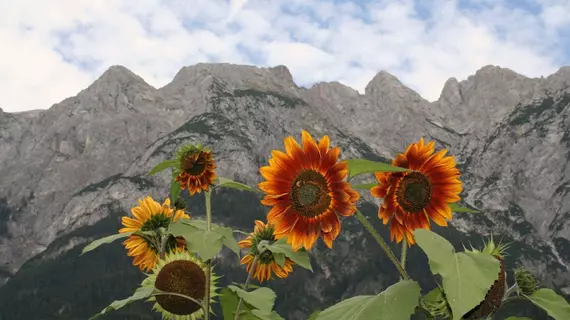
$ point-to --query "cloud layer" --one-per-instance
(51, 50)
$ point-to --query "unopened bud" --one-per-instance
(526, 282)
(180, 204)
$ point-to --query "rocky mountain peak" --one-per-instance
(451, 93)
(386, 87)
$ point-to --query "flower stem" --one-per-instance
(382, 244)
(510, 291)
(404, 252)
(249, 276)
(207, 195)
(165, 293)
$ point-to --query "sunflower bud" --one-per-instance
(526, 282)
(180, 204)
(436, 304)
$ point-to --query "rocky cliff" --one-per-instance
(68, 172)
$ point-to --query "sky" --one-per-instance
(52, 49)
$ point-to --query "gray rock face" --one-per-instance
(59, 168)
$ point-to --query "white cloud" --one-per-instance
(53, 49)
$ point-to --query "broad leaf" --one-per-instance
(206, 244)
(262, 298)
(266, 315)
(279, 258)
(398, 302)
(109, 239)
(361, 166)
(466, 276)
(455, 208)
(364, 186)
(227, 234)
(163, 166)
(174, 192)
(141, 293)
(300, 257)
(227, 183)
(518, 318)
(555, 305)
(314, 315)
(229, 301)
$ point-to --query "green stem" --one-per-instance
(249, 276)
(207, 195)
(404, 252)
(164, 293)
(382, 244)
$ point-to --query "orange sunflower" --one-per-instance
(266, 263)
(149, 215)
(197, 170)
(412, 198)
(307, 190)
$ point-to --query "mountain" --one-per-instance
(68, 173)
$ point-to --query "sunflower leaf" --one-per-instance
(93, 245)
(261, 298)
(556, 306)
(174, 191)
(206, 244)
(163, 166)
(364, 186)
(518, 318)
(360, 166)
(140, 293)
(397, 302)
(266, 315)
(300, 257)
(227, 183)
(279, 258)
(228, 239)
(314, 315)
(466, 276)
(455, 208)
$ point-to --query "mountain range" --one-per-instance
(69, 172)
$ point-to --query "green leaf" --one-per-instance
(163, 166)
(227, 234)
(279, 258)
(361, 166)
(555, 305)
(229, 301)
(455, 208)
(227, 183)
(206, 244)
(365, 186)
(174, 192)
(314, 315)
(266, 315)
(398, 302)
(300, 257)
(98, 242)
(262, 298)
(518, 318)
(140, 293)
(466, 276)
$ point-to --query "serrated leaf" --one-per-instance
(555, 305)
(360, 166)
(163, 166)
(227, 234)
(466, 276)
(140, 293)
(106, 240)
(266, 315)
(300, 257)
(455, 208)
(398, 302)
(174, 192)
(364, 186)
(228, 183)
(262, 298)
(206, 244)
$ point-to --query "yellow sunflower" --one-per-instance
(184, 274)
(411, 198)
(196, 170)
(307, 190)
(149, 215)
(266, 264)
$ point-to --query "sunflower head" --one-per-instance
(266, 264)
(526, 282)
(196, 168)
(183, 274)
(151, 217)
(307, 190)
(411, 199)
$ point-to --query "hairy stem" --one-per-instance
(510, 291)
(207, 195)
(249, 276)
(362, 219)
(404, 252)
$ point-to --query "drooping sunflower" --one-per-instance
(307, 190)
(184, 274)
(266, 264)
(411, 199)
(196, 170)
(149, 215)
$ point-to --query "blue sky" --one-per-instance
(53, 49)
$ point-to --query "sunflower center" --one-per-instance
(182, 277)
(194, 163)
(414, 192)
(266, 234)
(309, 194)
(156, 222)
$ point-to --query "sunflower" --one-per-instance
(307, 190)
(149, 215)
(184, 274)
(266, 263)
(196, 169)
(412, 198)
